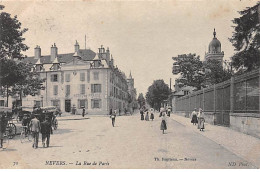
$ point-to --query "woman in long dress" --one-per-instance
(201, 120)
(147, 116)
(194, 118)
(163, 123)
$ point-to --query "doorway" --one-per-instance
(67, 105)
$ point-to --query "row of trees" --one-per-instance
(16, 77)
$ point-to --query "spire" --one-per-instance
(130, 75)
(214, 33)
(76, 54)
(76, 43)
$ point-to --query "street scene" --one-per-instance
(131, 143)
(130, 84)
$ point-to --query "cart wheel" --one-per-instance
(11, 130)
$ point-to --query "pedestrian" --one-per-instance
(163, 123)
(152, 114)
(3, 125)
(147, 116)
(169, 111)
(119, 112)
(35, 129)
(113, 117)
(83, 111)
(142, 114)
(161, 111)
(194, 119)
(46, 131)
(201, 120)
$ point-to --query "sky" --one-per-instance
(142, 36)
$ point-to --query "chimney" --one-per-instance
(107, 55)
(37, 52)
(54, 52)
(76, 46)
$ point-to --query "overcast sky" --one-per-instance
(142, 36)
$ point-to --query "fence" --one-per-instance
(240, 94)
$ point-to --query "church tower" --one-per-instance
(214, 51)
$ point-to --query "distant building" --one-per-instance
(214, 50)
(132, 92)
(83, 79)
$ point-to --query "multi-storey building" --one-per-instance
(83, 79)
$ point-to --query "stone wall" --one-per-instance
(246, 123)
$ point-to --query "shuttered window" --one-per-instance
(82, 88)
(82, 76)
(96, 103)
(95, 88)
(55, 90)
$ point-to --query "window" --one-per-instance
(95, 103)
(2, 103)
(55, 90)
(82, 104)
(82, 88)
(96, 76)
(67, 90)
(55, 103)
(67, 77)
(37, 103)
(54, 78)
(82, 76)
(95, 88)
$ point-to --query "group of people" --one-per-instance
(146, 112)
(45, 128)
(197, 117)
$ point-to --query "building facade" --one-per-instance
(83, 79)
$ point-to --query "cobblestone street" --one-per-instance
(92, 142)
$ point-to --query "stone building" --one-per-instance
(83, 79)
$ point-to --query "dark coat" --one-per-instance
(46, 127)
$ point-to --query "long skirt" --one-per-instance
(163, 125)
(142, 117)
(152, 116)
(201, 121)
(147, 117)
(194, 119)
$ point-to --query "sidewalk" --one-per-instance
(244, 146)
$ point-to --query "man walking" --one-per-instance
(35, 129)
(83, 111)
(113, 117)
(46, 131)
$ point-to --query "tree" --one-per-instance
(246, 39)
(10, 75)
(141, 100)
(31, 82)
(157, 93)
(190, 68)
(215, 72)
(11, 40)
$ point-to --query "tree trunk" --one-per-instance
(7, 96)
(21, 100)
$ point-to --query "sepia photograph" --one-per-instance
(129, 84)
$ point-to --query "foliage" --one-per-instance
(157, 93)
(215, 72)
(141, 100)
(246, 39)
(11, 42)
(17, 78)
(199, 74)
(190, 70)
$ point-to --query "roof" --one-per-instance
(63, 58)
